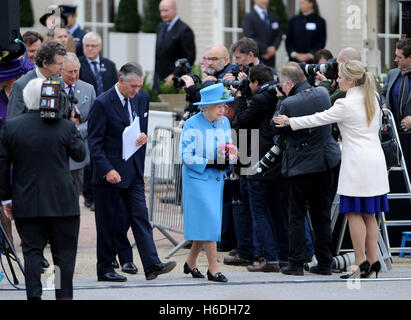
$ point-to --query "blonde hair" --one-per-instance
(355, 70)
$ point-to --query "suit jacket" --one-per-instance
(363, 171)
(405, 106)
(16, 104)
(39, 152)
(172, 45)
(254, 28)
(107, 121)
(78, 36)
(85, 94)
(312, 150)
(107, 69)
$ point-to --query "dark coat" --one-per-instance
(257, 114)
(172, 45)
(16, 104)
(78, 36)
(39, 152)
(107, 69)
(107, 121)
(308, 150)
(306, 34)
(254, 28)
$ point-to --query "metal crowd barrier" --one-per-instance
(165, 209)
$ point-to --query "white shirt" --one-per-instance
(122, 99)
(260, 11)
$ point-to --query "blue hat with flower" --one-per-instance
(214, 94)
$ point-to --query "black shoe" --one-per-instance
(115, 264)
(194, 272)
(129, 267)
(232, 252)
(358, 272)
(237, 261)
(293, 270)
(44, 263)
(159, 268)
(111, 276)
(89, 204)
(319, 269)
(375, 268)
(218, 277)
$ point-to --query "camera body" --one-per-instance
(242, 85)
(183, 67)
(271, 86)
(55, 104)
(328, 69)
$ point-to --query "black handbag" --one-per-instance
(389, 145)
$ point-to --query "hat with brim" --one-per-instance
(214, 94)
(66, 10)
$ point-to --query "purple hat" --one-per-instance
(14, 68)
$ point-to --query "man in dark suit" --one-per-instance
(96, 70)
(42, 200)
(309, 157)
(102, 74)
(49, 61)
(263, 26)
(69, 14)
(397, 89)
(175, 40)
(116, 178)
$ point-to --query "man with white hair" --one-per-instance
(42, 200)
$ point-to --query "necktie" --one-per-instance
(99, 80)
(266, 20)
(71, 93)
(128, 108)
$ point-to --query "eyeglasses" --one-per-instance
(212, 58)
(91, 46)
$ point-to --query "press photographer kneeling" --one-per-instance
(308, 159)
(43, 199)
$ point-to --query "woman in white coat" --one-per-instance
(363, 182)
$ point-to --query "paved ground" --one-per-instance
(242, 285)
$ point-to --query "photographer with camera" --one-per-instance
(43, 199)
(307, 163)
(265, 192)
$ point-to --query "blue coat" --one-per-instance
(202, 187)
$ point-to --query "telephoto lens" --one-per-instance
(343, 262)
(265, 162)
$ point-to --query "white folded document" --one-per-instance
(130, 135)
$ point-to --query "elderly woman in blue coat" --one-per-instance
(203, 178)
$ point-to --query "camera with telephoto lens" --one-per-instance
(328, 69)
(55, 103)
(271, 86)
(241, 85)
(343, 262)
(270, 157)
(183, 67)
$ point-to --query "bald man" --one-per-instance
(218, 60)
(175, 40)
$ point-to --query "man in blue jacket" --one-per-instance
(116, 178)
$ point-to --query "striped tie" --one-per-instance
(99, 80)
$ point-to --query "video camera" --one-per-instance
(242, 85)
(328, 69)
(183, 67)
(55, 104)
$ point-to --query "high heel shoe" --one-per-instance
(360, 271)
(218, 277)
(375, 268)
(194, 272)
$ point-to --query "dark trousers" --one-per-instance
(314, 189)
(228, 238)
(133, 197)
(243, 222)
(122, 245)
(62, 234)
(267, 209)
(88, 187)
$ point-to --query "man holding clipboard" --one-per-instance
(118, 179)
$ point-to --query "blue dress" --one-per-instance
(369, 205)
(202, 187)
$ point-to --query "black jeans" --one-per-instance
(315, 190)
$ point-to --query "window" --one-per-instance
(99, 17)
(234, 11)
(388, 31)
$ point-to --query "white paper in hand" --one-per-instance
(130, 135)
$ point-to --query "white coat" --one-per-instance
(363, 170)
